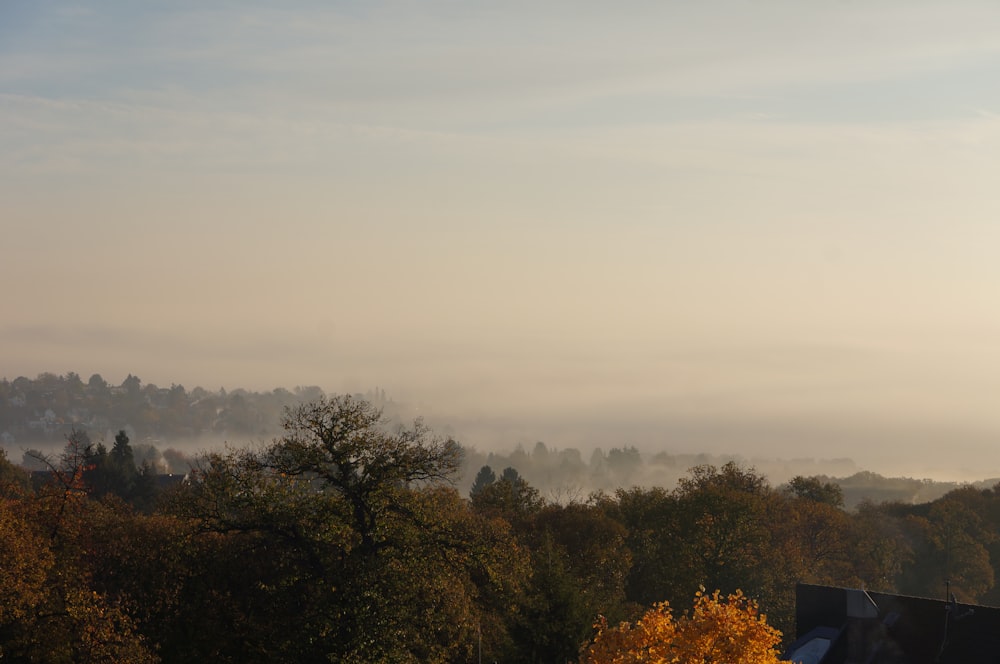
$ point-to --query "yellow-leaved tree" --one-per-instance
(718, 629)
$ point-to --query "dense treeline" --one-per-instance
(345, 540)
(564, 476)
(41, 410)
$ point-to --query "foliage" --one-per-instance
(726, 515)
(27, 561)
(814, 535)
(553, 617)
(951, 546)
(510, 497)
(717, 629)
(345, 539)
(51, 609)
(578, 568)
(370, 555)
(484, 478)
(14, 481)
(816, 490)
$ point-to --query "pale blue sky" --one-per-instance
(747, 225)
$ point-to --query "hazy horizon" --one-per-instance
(756, 229)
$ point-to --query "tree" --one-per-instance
(13, 480)
(881, 548)
(718, 629)
(815, 537)
(68, 486)
(594, 549)
(132, 385)
(26, 563)
(951, 547)
(724, 515)
(343, 446)
(579, 565)
(816, 490)
(73, 388)
(650, 518)
(510, 497)
(70, 620)
(97, 383)
(145, 454)
(553, 616)
(623, 464)
(717, 530)
(122, 460)
(484, 478)
(354, 540)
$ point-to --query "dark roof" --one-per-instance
(914, 630)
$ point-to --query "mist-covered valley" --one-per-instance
(171, 428)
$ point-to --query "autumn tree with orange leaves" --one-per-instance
(717, 629)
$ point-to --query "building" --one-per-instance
(845, 626)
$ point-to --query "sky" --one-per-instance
(761, 228)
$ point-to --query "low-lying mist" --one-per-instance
(564, 448)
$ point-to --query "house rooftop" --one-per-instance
(847, 626)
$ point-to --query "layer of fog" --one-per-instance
(668, 444)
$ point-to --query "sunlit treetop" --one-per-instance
(717, 629)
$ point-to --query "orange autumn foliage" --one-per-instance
(717, 629)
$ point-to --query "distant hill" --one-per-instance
(866, 485)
